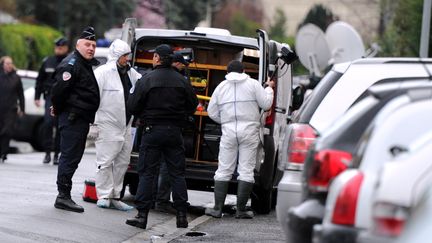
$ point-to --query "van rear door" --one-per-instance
(263, 50)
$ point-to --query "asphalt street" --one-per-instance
(27, 214)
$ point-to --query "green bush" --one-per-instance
(27, 44)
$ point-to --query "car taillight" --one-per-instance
(346, 202)
(327, 165)
(301, 138)
(270, 118)
(389, 219)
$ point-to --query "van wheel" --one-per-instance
(123, 191)
(261, 200)
(37, 141)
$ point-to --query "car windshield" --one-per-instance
(314, 99)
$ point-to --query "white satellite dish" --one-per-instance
(312, 49)
(344, 42)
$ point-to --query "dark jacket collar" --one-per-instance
(92, 62)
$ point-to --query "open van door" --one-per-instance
(128, 33)
(261, 196)
(128, 30)
(263, 51)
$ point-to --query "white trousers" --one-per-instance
(241, 145)
(112, 160)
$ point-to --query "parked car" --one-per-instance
(348, 208)
(29, 128)
(401, 185)
(209, 51)
(418, 229)
(339, 89)
(332, 153)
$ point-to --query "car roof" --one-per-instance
(195, 35)
(357, 79)
(346, 131)
(27, 73)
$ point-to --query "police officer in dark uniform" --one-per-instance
(162, 183)
(162, 100)
(75, 99)
(44, 82)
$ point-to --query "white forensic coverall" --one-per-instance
(235, 105)
(114, 141)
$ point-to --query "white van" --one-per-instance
(209, 51)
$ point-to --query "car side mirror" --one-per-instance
(397, 150)
(298, 96)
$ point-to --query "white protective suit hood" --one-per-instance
(117, 49)
(111, 115)
(236, 77)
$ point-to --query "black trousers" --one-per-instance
(159, 142)
(51, 129)
(7, 123)
(73, 133)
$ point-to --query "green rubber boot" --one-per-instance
(243, 191)
(220, 192)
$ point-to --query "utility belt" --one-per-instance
(147, 128)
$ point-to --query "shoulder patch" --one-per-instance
(66, 76)
(72, 61)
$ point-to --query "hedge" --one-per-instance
(27, 44)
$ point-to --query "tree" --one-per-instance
(320, 16)
(27, 44)
(402, 37)
(240, 10)
(240, 25)
(185, 14)
(8, 6)
(277, 29)
(72, 16)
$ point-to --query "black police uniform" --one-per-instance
(75, 98)
(162, 100)
(44, 83)
(11, 92)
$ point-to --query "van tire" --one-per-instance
(133, 187)
(37, 141)
(261, 200)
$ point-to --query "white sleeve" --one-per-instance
(100, 78)
(213, 107)
(264, 96)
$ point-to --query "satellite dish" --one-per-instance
(312, 48)
(344, 42)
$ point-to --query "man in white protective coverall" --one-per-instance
(235, 105)
(112, 126)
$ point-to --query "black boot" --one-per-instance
(139, 221)
(243, 191)
(64, 201)
(56, 159)
(181, 220)
(220, 192)
(47, 158)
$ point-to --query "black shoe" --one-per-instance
(182, 220)
(56, 160)
(67, 204)
(47, 158)
(139, 221)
